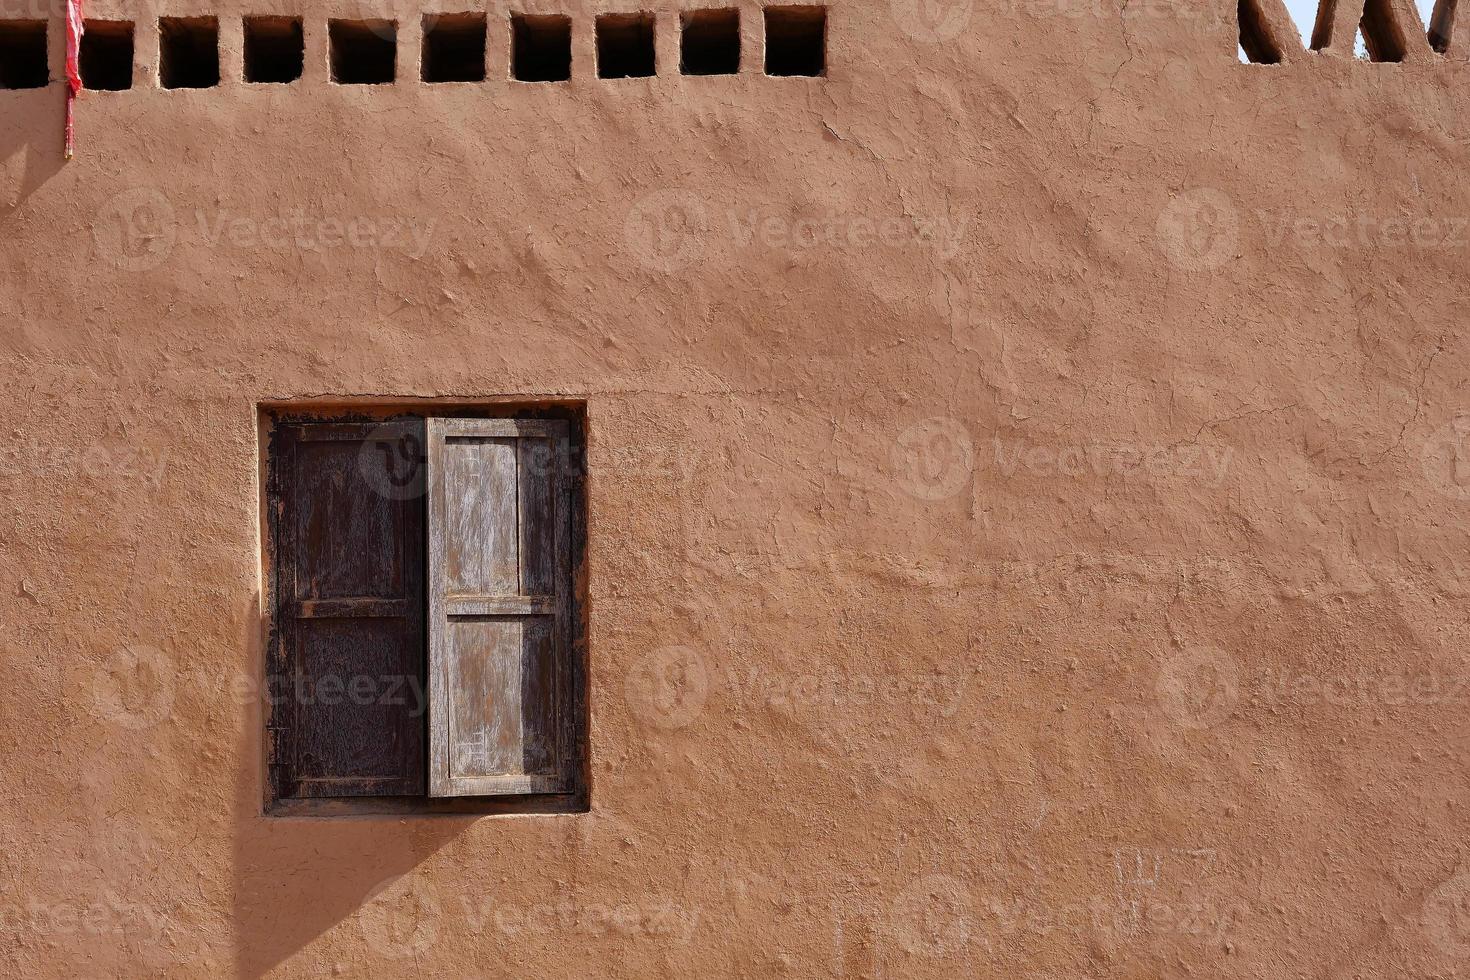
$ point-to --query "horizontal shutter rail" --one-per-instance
(500, 605)
(352, 785)
(500, 428)
(352, 608)
(511, 784)
(349, 431)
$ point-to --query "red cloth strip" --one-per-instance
(74, 31)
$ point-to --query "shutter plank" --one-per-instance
(498, 610)
(479, 509)
(504, 664)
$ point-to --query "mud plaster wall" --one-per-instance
(1066, 582)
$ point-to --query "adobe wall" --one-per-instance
(1025, 513)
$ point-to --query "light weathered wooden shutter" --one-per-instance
(347, 524)
(499, 607)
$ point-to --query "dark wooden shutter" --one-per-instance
(347, 662)
(499, 608)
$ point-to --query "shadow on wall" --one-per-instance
(31, 143)
(297, 877)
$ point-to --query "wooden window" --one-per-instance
(424, 635)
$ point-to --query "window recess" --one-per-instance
(424, 650)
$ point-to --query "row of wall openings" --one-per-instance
(1380, 36)
(364, 52)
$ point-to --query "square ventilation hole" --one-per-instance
(541, 48)
(709, 42)
(275, 49)
(106, 55)
(796, 40)
(625, 46)
(364, 52)
(23, 54)
(454, 48)
(188, 52)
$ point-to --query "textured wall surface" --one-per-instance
(1025, 500)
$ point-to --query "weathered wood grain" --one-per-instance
(347, 662)
(499, 613)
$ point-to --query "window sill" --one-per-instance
(421, 806)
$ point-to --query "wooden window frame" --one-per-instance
(568, 416)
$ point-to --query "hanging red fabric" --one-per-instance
(73, 69)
